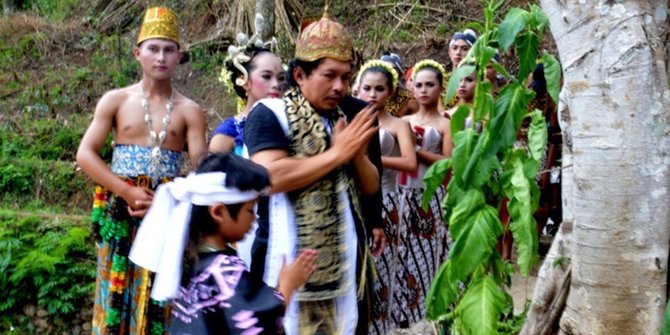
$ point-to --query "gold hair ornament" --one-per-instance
(237, 54)
(382, 64)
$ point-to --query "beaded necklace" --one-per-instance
(156, 140)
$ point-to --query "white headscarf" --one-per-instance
(161, 238)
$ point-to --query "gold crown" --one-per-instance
(159, 22)
(324, 38)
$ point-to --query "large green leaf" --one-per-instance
(456, 78)
(483, 101)
(454, 195)
(464, 144)
(442, 293)
(477, 26)
(501, 70)
(471, 202)
(517, 188)
(501, 270)
(472, 169)
(433, 178)
(486, 167)
(538, 20)
(552, 73)
(458, 119)
(527, 45)
(480, 308)
(537, 135)
(481, 53)
(509, 110)
(475, 243)
(514, 22)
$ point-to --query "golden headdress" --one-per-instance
(159, 22)
(324, 38)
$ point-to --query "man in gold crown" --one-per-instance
(151, 123)
(322, 151)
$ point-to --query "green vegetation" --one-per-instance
(58, 57)
(490, 172)
(47, 263)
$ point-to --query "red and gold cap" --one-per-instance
(159, 22)
(324, 38)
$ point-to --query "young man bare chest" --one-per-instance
(130, 125)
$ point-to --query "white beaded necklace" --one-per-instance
(156, 140)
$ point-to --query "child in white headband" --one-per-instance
(203, 214)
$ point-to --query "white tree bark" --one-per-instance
(266, 27)
(7, 7)
(617, 153)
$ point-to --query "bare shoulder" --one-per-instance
(398, 124)
(444, 125)
(187, 105)
(407, 118)
(110, 102)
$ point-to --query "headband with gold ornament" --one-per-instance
(239, 54)
(381, 64)
(324, 38)
(429, 63)
(159, 22)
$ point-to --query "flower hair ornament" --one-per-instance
(238, 55)
(429, 63)
(381, 64)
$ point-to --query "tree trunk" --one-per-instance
(7, 7)
(552, 286)
(616, 120)
(265, 27)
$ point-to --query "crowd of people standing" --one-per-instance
(304, 214)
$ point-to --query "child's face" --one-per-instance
(266, 77)
(235, 230)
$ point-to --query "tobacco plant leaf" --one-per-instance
(515, 21)
(480, 308)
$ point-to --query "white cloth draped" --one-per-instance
(161, 238)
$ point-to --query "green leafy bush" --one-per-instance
(48, 263)
(490, 172)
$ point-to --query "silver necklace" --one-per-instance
(156, 140)
(424, 121)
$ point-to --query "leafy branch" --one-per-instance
(490, 172)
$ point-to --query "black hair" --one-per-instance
(438, 74)
(252, 51)
(395, 60)
(539, 83)
(385, 72)
(241, 173)
(307, 68)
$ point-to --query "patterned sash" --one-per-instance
(318, 209)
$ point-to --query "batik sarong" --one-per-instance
(386, 304)
(122, 303)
